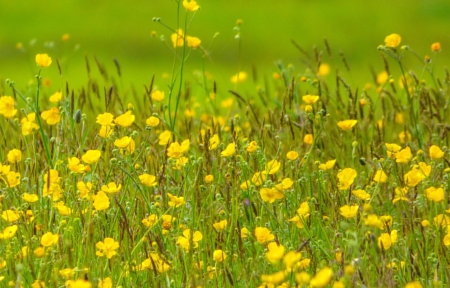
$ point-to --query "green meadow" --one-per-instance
(224, 144)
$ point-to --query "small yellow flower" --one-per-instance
(349, 211)
(107, 248)
(271, 194)
(73, 163)
(193, 42)
(164, 137)
(190, 5)
(10, 216)
(51, 116)
(91, 156)
(275, 252)
(125, 120)
(214, 141)
(436, 152)
(229, 151)
(9, 232)
(177, 38)
(150, 220)
(219, 255)
(380, 176)
(101, 201)
(148, 180)
(28, 124)
(252, 146)
(239, 77)
(30, 198)
(105, 119)
(105, 283)
(292, 155)
(310, 99)
(186, 240)
(328, 165)
(7, 107)
(436, 47)
(322, 278)
(111, 188)
(158, 96)
(272, 167)
(43, 60)
(152, 121)
(56, 97)
(361, 194)
(308, 139)
(435, 194)
(413, 284)
(386, 240)
(220, 226)
(14, 156)
(263, 235)
(392, 40)
(209, 179)
(49, 239)
(175, 201)
(346, 178)
(347, 125)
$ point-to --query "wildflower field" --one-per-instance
(287, 178)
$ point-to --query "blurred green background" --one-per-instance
(123, 30)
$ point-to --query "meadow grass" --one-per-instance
(306, 181)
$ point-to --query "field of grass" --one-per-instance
(250, 159)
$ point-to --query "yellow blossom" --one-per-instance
(164, 137)
(347, 125)
(107, 248)
(220, 226)
(252, 146)
(193, 42)
(158, 96)
(219, 255)
(152, 121)
(111, 188)
(272, 167)
(380, 176)
(105, 119)
(322, 278)
(150, 220)
(328, 165)
(386, 240)
(436, 152)
(239, 77)
(175, 201)
(56, 97)
(177, 38)
(392, 40)
(7, 107)
(229, 151)
(349, 211)
(30, 198)
(51, 116)
(91, 156)
(14, 156)
(186, 240)
(209, 179)
(28, 124)
(105, 283)
(435, 194)
(213, 142)
(190, 5)
(43, 60)
(275, 252)
(125, 120)
(148, 180)
(271, 194)
(10, 216)
(361, 194)
(292, 155)
(436, 47)
(346, 178)
(49, 239)
(308, 139)
(101, 201)
(9, 232)
(310, 99)
(263, 235)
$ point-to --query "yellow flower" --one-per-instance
(30, 198)
(322, 278)
(435, 195)
(220, 226)
(239, 77)
(291, 258)
(272, 167)
(413, 284)
(148, 180)
(219, 255)
(164, 137)
(436, 152)
(361, 194)
(179, 164)
(9, 232)
(107, 248)
(286, 184)
(150, 220)
(175, 201)
(84, 188)
(328, 165)
(349, 211)
(372, 220)
(392, 40)
(105, 283)
(392, 149)
(67, 273)
(158, 95)
(404, 137)
(49, 239)
(380, 176)
(176, 150)
(43, 60)
(441, 220)
(299, 221)
(229, 151)
(12, 179)
(105, 131)
(190, 5)
(154, 262)
(346, 178)
(91, 156)
(152, 121)
(292, 155)
(14, 156)
(105, 119)
(125, 120)
(111, 188)
(446, 239)
(209, 179)
(56, 97)
(403, 156)
(101, 201)
(259, 178)
(275, 252)
(193, 42)
(263, 235)
(308, 139)
(436, 47)
(386, 240)
(177, 38)
(213, 142)
(270, 280)
(309, 99)
(413, 177)
(7, 107)
(28, 124)
(271, 194)
(10, 216)
(73, 163)
(302, 278)
(52, 116)
(347, 125)
(186, 240)
(252, 146)
(245, 233)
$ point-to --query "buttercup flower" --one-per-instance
(263, 235)
(107, 248)
(177, 38)
(436, 152)
(51, 116)
(193, 42)
(392, 40)
(347, 125)
(49, 239)
(186, 240)
(190, 5)
(43, 60)
(7, 107)
(229, 151)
